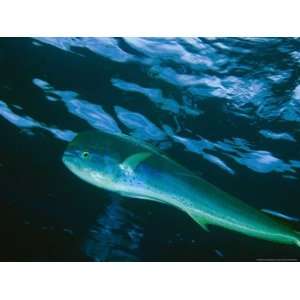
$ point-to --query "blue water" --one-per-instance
(226, 108)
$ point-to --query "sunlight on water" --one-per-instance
(106, 241)
(140, 126)
(277, 136)
(92, 113)
(106, 47)
(27, 122)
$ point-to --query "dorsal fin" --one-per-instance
(146, 145)
(131, 162)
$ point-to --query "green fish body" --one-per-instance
(122, 164)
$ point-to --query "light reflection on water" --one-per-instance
(106, 240)
(140, 126)
(201, 91)
(25, 122)
(92, 113)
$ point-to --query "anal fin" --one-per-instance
(204, 226)
(199, 220)
(132, 195)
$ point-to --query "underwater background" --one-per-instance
(226, 108)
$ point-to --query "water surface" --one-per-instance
(226, 108)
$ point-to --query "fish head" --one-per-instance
(91, 157)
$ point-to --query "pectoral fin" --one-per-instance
(200, 220)
(131, 162)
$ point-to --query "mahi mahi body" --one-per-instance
(122, 164)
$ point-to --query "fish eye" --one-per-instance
(85, 154)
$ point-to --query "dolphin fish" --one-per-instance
(134, 169)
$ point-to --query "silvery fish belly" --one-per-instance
(131, 168)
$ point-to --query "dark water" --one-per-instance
(228, 109)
